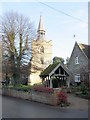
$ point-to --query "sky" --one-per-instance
(60, 27)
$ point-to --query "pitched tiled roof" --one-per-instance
(52, 67)
(49, 69)
(86, 49)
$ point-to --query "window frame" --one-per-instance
(76, 60)
(77, 78)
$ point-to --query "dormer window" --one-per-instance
(76, 60)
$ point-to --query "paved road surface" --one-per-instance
(17, 108)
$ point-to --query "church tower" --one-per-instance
(41, 54)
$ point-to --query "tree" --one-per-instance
(17, 33)
(67, 60)
(58, 59)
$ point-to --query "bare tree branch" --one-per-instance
(17, 34)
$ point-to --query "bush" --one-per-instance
(25, 88)
(83, 89)
(62, 97)
(86, 82)
(41, 88)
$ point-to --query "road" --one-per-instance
(18, 108)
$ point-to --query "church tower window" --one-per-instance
(42, 60)
(42, 49)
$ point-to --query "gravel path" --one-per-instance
(77, 102)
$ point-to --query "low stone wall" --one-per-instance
(16, 93)
(47, 98)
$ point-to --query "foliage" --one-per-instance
(86, 82)
(82, 91)
(17, 34)
(41, 88)
(25, 88)
(62, 97)
(58, 60)
(86, 96)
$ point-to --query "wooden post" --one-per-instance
(50, 82)
(68, 82)
(59, 71)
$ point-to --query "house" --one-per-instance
(55, 74)
(78, 64)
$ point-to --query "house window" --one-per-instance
(76, 60)
(77, 78)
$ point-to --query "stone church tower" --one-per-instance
(41, 54)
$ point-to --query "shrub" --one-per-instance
(41, 88)
(86, 83)
(62, 97)
(83, 89)
(25, 88)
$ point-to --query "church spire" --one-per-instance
(41, 30)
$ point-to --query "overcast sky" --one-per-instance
(62, 20)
